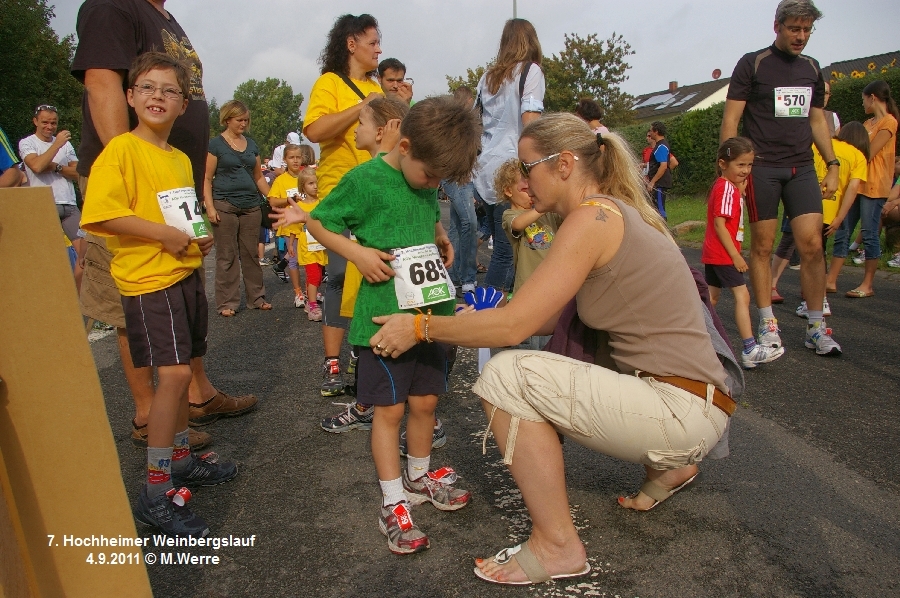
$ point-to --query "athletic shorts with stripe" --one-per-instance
(798, 188)
(167, 327)
(384, 381)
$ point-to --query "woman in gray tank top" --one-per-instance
(662, 401)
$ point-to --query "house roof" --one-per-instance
(861, 65)
(662, 104)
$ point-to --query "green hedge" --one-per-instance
(694, 139)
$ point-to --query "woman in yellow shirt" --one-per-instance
(336, 99)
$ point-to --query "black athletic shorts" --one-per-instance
(798, 188)
(385, 381)
(723, 277)
(167, 327)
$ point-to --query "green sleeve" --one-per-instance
(339, 210)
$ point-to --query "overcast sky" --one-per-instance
(674, 40)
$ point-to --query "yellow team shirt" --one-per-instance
(304, 255)
(331, 95)
(125, 180)
(283, 187)
(853, 166)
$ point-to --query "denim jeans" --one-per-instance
(867, 211)
(501, 272)
(463, 231)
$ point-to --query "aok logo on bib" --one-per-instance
(420, 278)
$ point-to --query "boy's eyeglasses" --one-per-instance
(170, 93)
(44, 107)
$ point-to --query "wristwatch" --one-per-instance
(58, 168)
(833, 163)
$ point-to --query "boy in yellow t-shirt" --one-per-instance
(142, 197)
(285, 186)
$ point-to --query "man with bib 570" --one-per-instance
(780, 94)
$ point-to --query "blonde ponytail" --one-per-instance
(613, 168)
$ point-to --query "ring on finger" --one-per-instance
(379, 347)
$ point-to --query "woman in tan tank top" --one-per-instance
(663, 404)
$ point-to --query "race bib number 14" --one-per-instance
(792, 102)
(420, 278)
(181, 210)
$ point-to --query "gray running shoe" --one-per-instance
(333, 382)
(819, 338)
(437, 488)
(350, 419)
(768, 333)
(759, 355)
(404, 537)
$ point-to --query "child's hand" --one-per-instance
(390, 134)
(740, 264)
(462, 310)
(445, 248)
(205, 244)
(283, 216)
(833, 227)
(372, 264)
(174, 241)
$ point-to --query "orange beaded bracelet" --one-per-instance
(419, 335)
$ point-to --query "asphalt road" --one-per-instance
(806, 505)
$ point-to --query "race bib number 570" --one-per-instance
(792, 101)
(181, 210)
(420, 278)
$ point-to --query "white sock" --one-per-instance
(416, 467)
(392, 492)
(766, 313)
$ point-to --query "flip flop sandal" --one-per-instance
(530, 566)
(776, 298)
(227, 313)
(660, 493)
(830, 291)
(481, 268)
(264, 306)
(858, 294)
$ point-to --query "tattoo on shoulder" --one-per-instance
(601, 215)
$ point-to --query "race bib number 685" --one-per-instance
(420, 278)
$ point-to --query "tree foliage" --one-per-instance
(470, 80)
(274, 111)
(35, 69)
(214, 127)
(587, 67)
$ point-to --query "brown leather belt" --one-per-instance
(720, 399)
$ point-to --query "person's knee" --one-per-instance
(422, 405)
(390, 415)
(179, 375)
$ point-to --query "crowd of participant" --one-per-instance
(580, 245)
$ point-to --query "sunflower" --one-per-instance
(871, 66)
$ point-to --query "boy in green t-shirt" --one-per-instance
(390, 204)
(141, 196)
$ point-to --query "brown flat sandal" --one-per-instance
(227, 313)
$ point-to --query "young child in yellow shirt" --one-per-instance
(141, 196)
